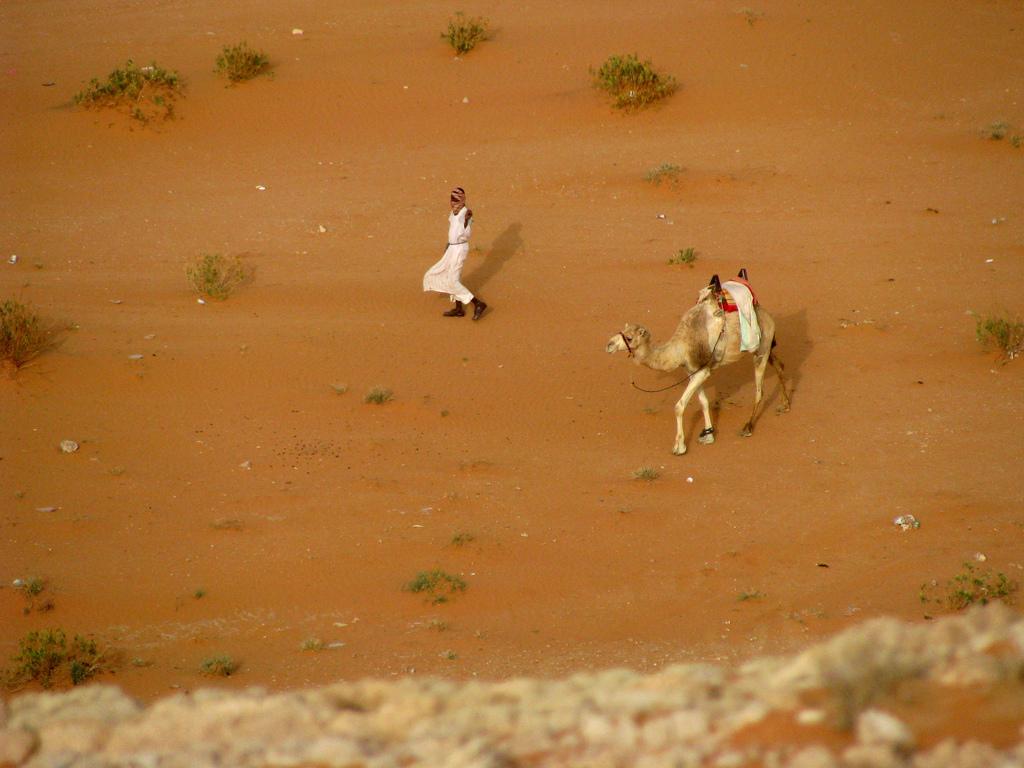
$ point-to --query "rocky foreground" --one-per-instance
(836, 704)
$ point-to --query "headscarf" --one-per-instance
(458, 197)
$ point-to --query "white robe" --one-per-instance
(446, 275)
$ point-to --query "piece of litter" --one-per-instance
(149, 336)
(322, 228)
(980, 557)
(296, 31)
(338, 644)
(465, 99)
(116, 301)
(907, 522)
(13, 259)
(340, 624)
(200, 301)
(417, 525)
(661, 216)
(246, 465)
(989, 261)
(261, 188)
(47, 509)
(689, 479)
(135, 357)
(68, 446)
(822, 565)
(524, 535)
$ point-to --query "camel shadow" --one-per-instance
(504, 247)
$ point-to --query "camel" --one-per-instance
(705, 339)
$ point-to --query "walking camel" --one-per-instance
(705, 339)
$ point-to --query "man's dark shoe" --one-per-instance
(456, 311)
(478, 309)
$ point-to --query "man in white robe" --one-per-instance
(446, 275)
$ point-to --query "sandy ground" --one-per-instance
(837, 151)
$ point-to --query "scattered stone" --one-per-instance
(246, 464)
(68, 446)
(322, 229)
(261, 188)
(47, 509)
(980, 557)
(136, 356)
(465, 99)
(13, 259)
(297, 32)
(907, 522)
(200, 301)
(116, 301)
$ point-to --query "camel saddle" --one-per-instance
(724, 298)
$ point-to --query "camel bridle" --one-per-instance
(688, 376)
(629, 349)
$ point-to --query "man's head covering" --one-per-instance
(458, 196)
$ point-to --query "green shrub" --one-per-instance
(666, 172)
(42, 654)
(463, 33)
(1003, 333)
(438, 585)
(219, 666)
(632, 83)
(646, 473)
(241, 62)
(23, 333)
(144, 92)
(378, 396)
(997, 131)
(215, 277)
(972, 585)
(685, 256)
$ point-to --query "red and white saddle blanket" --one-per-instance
(739, 297)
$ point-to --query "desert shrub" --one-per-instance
(23, 333)
(632, 83)
(997, 131)
(646, 473)
(311, 644)
(438, 585)
(145, 92)
(215, 277)
(219, 666)
(378, 396)
(1003, 333)
(463, 33)
(666, 172)
(685, 256)
(242, 62)
(972, 585)
(42, 654)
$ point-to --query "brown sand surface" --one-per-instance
(814, 143)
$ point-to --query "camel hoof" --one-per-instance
(748, 430)
(706, 439)
(782, 409)
(679, 452)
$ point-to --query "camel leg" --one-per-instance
(760, 366)
(694, 386)
(708, 435)
(779, 367)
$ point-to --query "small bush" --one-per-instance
(312, 644)
(378, 396)
(438, 585)
(219, 666)
(685, 256)
(646, 473)
(144, 92)
(1003, 333)
(241, 62)
(666, 172)
(42, 654)
(215, 277)
(23, 333)
(463, 34)
(972, 585)
(997, 131)
(632, 84)
(461, 539)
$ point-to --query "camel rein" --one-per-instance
(687, 377)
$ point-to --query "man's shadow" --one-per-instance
(504, 247)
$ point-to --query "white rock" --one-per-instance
(297, 32)
(246, 464)
(13, 259)
(135, 357)
(876, 728)
(68, 446)
(465, 99)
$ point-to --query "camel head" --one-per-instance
(630, 339)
